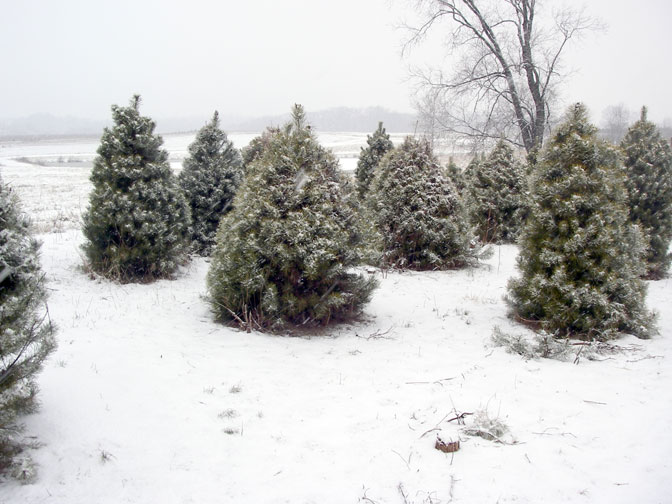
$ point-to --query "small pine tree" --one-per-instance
(284, 253)
(496, 196)
(378, 145)
(136, 225)
(26, 334)
(455, 175)
(580, 258)
(418, 212)
(210, 177)
(648, 165)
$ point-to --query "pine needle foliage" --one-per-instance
(418, 213)
(284, 253)
(496, 196)
(580, 258)
(209, 179)
(378, 144)
(648, 166)
(257, 146)
(136, 225)
(26, 333)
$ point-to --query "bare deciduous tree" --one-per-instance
(508, 70)
(615, 122)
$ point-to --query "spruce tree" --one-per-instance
(418, 212)
(284, 253)
(580, 259)
(210, 176)
(496, 196)
(648, 165)
(378, 145)
(26, 334)
(136, 225)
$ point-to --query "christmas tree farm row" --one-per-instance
(286, 231)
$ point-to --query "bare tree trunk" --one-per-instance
(506, 83)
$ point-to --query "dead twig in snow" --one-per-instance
(436, 427)
(400, 487)
(594, 402)
(435, 382)
(645, 358)
(460, 417)
(364, 498)
(408, 463)
(377, 334)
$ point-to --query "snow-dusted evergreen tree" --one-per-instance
(418, 212)
(648, 165)
(136, 225)
(456, 176)
(211, 175)
(378, 145)
(496, 195)
(580, 258)
(252, 151)
(26, 334)
(284, 253)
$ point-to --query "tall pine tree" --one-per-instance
(580, 258)
(210, 177)
(284, 253)
(378, 145)
(418, 212)
(26, 334)
(496, 195)
(648, 167)
(136, 225)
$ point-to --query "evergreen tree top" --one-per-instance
(132, 134)
(299, 122)
(576, 123)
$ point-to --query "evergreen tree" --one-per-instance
(648, 165)
(455, 175)
(418, 212)
(580, 258)
(210, 177)
(26, 334)
(284, 253)
(378, 145)
(252, 151)
(136, 225)
(497, 196)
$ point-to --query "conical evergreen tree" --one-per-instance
(378, 145)
(648, 165)
(254, 150)
(418, 212)
(580, 258)
(26, 334)
(136, 225)
(496, 196)
(284, 253)
(455, 175)
(210, 177)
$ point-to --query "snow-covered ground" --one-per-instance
(147, 400)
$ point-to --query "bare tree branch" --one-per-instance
(509, 65)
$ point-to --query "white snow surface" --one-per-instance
(148, 400)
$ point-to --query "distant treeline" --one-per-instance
(340, 119)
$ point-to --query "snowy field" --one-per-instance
(147, 400)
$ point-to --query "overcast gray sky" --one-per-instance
(189, 57)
